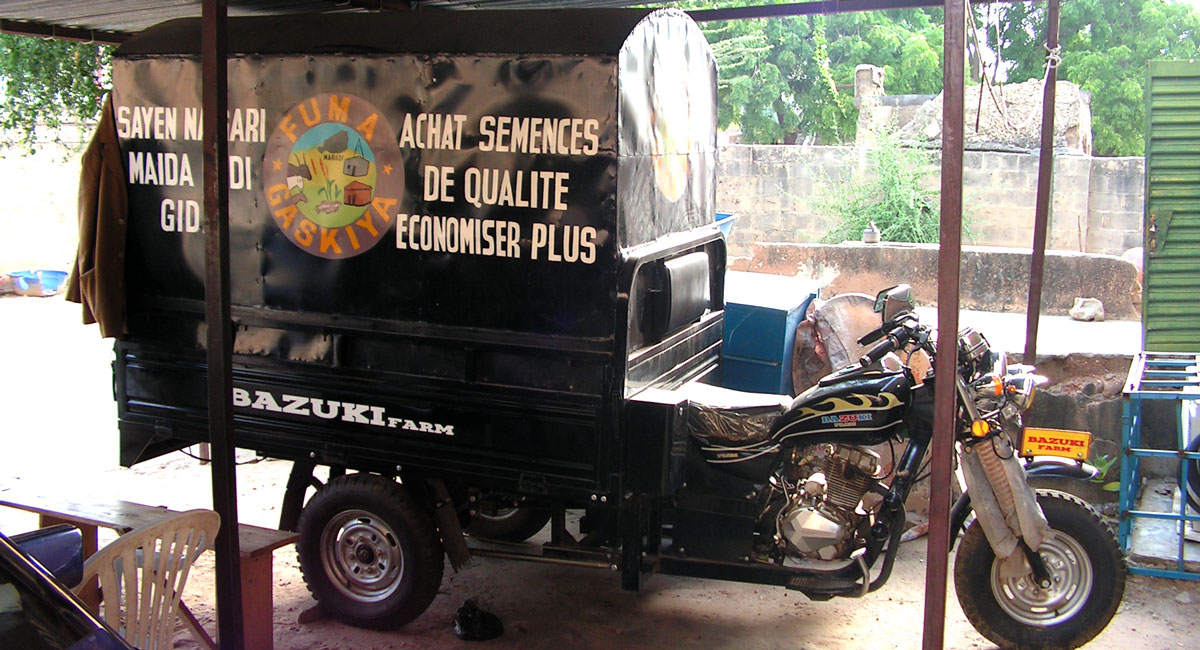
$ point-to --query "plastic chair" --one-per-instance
(143, 572)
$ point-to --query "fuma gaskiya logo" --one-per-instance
(333, 175)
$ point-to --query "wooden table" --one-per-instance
(91, 512)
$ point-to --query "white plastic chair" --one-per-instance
(143, 573)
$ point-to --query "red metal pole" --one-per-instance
(217, 315)
(1041, 218)
(949, 254)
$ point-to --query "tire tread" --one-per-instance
(375, 493)
(974, 548)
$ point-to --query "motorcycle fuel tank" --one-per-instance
(863, 408)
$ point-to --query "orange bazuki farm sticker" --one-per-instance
(1056, 442)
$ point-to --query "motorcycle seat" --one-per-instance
(721, 416)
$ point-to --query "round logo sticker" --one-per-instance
(333, 175)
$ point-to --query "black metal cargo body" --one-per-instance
(460, 241)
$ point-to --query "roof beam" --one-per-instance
(820, 7)
(808, 9)
(380, 5)
(46, 30)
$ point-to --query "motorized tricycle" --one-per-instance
(476, 275)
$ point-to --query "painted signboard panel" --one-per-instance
(405, 188)
(475, 190)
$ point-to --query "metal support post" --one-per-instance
(219, 324)
(949, 257)
(1041, 220)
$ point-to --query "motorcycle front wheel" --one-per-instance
(1087, 581)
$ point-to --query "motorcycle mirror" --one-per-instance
(894, 302)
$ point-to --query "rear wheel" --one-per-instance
(508, 523)
(370, 556)
(1087, 581)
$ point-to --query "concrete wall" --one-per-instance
(1097, 202)
(993, 278)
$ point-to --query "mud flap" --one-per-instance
(446, 520)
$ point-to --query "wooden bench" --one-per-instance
(89, 512)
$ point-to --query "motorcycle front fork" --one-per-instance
(958, 518)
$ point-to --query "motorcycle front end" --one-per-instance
(1034, 568)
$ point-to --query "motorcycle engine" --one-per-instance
(825, 508)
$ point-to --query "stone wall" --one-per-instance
(1097, 202)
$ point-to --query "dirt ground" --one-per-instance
(58, 426)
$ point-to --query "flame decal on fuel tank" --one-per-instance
(830, 406)
(856, 408)
(855, 402)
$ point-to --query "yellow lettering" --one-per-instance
(382, 206)
(367, 127)
(366, 224)
(288, 127)
(329, 240)
(305, 232)
(276, 194)
(339, 110)
(285, 215)
(315, 118)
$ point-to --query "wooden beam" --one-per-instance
(45, 30)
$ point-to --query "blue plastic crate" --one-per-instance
(761, 315)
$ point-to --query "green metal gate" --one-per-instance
(1171, 278)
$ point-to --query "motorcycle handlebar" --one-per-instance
(895, 338)
(871, 337)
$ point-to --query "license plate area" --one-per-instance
(1062, 443)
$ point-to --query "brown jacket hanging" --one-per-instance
(98, 276)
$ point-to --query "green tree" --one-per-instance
(776, 82)
(907, 44)
(1105, 47)
(781, 78)
(47, 82)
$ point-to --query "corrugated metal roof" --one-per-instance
(113, 20)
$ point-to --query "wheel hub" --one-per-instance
(1052, 602)
(362, 556)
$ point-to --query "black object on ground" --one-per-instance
(474, 624)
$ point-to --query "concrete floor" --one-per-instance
(1057, 335)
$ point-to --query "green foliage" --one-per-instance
(775, 80)
(1105, 463)
(889, 193)
(48, 82)
(907, 44)
(784, 78)
(1105, 47)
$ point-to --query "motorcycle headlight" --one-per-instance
(1021, 389)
